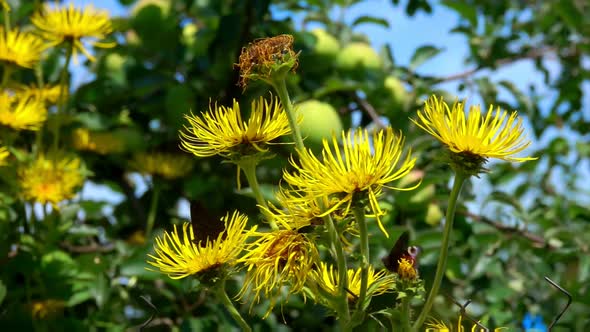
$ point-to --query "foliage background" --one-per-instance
(532, 222)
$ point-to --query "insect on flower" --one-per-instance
(402, 257)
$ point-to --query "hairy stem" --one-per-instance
(63, 89)
(222, 296)
(359, 216)
(153, 209)
(248, 165)
(444, 250)
(338, 251)
(281, 88)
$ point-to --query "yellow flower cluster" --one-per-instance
(99, 142)
(178, 256)
(364, 165)
(19, 48)
(22, 112)
(69, 24)
(326, 278)
(221, 130)
(51, 179)
(167, 165)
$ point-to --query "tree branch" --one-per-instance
(94, 247)
(369, 109)
(532, 54)
(538, 241)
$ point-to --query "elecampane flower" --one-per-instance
(361, 166)
(406, 270)
(440, 326)
(221, 130)
(20, 48)
(326, 277)
(167, 165)
(51, 179)
(178, 256)
(4, 5)
(278, 258)
(49, 93)
(495, 135)
(99, 142)
(267, 57)
(46, 309)
(22, 113)
(69, 24)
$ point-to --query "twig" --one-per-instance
(532, 54)
(569, 301)
(154, 312)
(369, 109)
(537, 240)
(94, 247)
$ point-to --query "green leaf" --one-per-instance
(570, 14)
(2, 291)
(502, 197)
(423, 54)
(467, 11)
(78, 298)
(371, 19)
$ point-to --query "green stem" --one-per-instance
(248, 165)
(6, 19)
(338, 251)
(359, 216)
(6, 75)
(26, 221)
(153, 209)
(406, 326)
(280, 87)
(222, 296)
(444, 251)
(40, 85)
(63, 89)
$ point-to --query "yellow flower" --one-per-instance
(51, 179)
(299, 210)
(406, 270)
(47, 308)
(440, 326)
(179, 256)
(21, 113)
(5, 5)
(278, 258)
(99, 142)
(221, 131)
(49, 93)
(495, 135)
(70, 25)
(20, 48)
(361, 167)
(326, 278)
(3, 155)
(167, 165)
(294, 209)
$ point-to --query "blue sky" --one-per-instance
(405, 35)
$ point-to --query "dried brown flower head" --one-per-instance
(267, 57)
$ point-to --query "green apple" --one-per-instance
(320, 121)
(357, 58)
(164, 6)
(189, 34)
(396, 91)
(326, 45)
(433, 214)
(114, 62)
